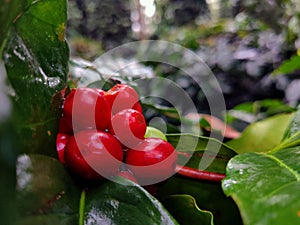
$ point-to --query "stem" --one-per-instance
(199, 174)
(81, 208)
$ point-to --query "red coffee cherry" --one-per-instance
(121, 96)
(89, 149)
(86, 108)
(152, 160)
(137, 106)
(129, 126)
(64, 127)
(61, 141)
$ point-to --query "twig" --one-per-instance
(199, 174)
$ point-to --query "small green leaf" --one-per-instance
(266, 186)
(186, 211)
(163, 110)
(288, 66)
(36, 59)
(201, 152)
(294, 125)
(154, 133)
(124, 202)
(261, 136)
(291, 137)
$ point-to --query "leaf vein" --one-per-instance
(281, 163)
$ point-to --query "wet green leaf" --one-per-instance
(36, 59)
(261, 136)
(45, 189)
(186, 211)
(266, 186)
(124, 202)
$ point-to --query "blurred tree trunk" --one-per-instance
(106, 21)
(82, 24)
(179, 13)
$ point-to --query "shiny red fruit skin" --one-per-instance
(137, 106)
(64, 127)
(152, 159)
(61, 141)
(86, 108)
(129, 126)
(89, 149)
(121, 96)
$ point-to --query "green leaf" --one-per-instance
(201, 152)
(163, 110)
(253, 111)
(186, 211)
(209, 196)
(36, 59)
(294, 125)
(288, 66)
(266, 186)
(45, 189)
(124, 202)
(261, 136)
(8, 12)
(291, 137)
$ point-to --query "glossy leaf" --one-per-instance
(291, 136)
(123, 202)
(201, 152)
(266, 186)
(36, 59)
(209, 196)
(186, 211)
(45, 189)
(261, 136)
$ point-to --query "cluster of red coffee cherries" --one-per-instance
(101, 132)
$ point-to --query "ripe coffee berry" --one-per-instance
(122, 96)
(129, 126)
(152, 160)
(93, 154)
(61, 141)
(64, 127)
(86, 108)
